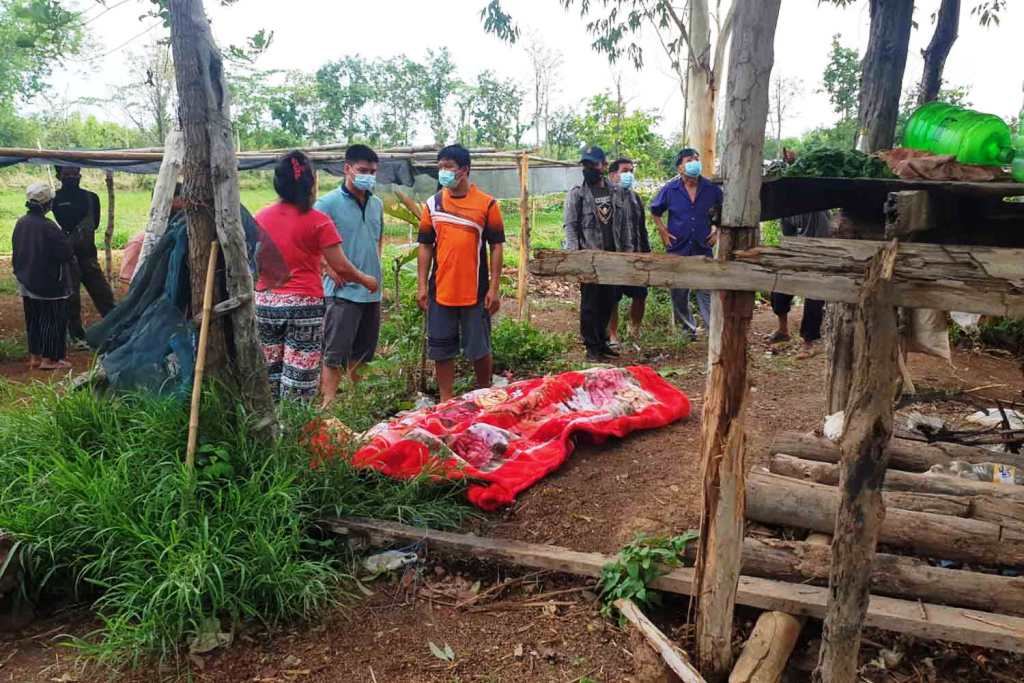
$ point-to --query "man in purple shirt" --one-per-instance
(693, 204)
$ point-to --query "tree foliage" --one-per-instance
(35, 37)
(842, 79)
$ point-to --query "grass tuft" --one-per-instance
(97, 487)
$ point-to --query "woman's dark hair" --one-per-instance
(294, 178)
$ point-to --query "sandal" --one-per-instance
(777, 338)
(59, 365)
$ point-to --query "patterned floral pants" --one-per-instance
(291, 329)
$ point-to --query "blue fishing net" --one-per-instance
(148, 341)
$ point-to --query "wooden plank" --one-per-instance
(953, 624)
(985, 280)
(163, 194)
(522, 274)
(673, 657)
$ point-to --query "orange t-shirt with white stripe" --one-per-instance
(459, 228)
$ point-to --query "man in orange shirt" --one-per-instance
(458, 280)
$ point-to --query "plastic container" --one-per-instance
(971, 136)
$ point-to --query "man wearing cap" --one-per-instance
(42, 254)
(598, 216)
(693, 204)
(78, 213)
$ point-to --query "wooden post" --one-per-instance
(868, 429)
(524, 237)
(723, 441)
(213, 207)
(163, 193)
(108, 236)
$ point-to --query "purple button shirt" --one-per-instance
(689, 222)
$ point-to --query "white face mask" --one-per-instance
(626, 180)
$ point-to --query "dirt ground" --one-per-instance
(598, 501)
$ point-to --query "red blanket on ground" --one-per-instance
(505, 439)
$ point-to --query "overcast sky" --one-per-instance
(311, 32)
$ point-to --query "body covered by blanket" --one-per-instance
(507, 438)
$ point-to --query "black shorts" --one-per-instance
(633, 292)
(351, 331)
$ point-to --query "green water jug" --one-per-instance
(971, 136)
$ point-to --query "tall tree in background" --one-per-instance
(438, 83)
(544, 63)
(148, 99)
(782, 95)
(881, 82)
(397, 84)
(344, 88)
(35, 37)
(842, 79)
(617, 33)
(947, 23)
(489, 112)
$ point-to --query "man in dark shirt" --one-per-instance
(78, 213)
(620, 172)
(693, 204)
(597, 216)
(816, 224)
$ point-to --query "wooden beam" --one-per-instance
(781, 501)
(522, 300)
(108, 235)
(937, 622)
(895, 480)
(984, 280)
(674, 658)
(904, 454)
(723, 437)
(861, 511)
(163, 194)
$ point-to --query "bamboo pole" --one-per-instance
(197, 382)
(524, 237)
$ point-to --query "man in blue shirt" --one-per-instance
(693, 204)
(352, 317)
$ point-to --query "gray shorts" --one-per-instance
(451, 328)
(351, 331)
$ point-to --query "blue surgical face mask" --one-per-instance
(364, 181)
(692, 169)
(447, 178)
(626, 180)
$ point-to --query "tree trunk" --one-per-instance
(723, 441)
(946, 26)
(703, 90)
(781, 501)
(869, 424)
(108, 236)
(213, 207)
(881, 80)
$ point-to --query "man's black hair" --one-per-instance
(456, 153)
(614, 168)
(294, 178)
(356, 153)
(686, 152)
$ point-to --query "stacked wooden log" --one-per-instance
(929, 517)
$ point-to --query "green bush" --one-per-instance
(522, 349)
(98, 490)
(1004, 333)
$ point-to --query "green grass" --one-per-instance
(97, 489)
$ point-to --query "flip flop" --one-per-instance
(59, 365)
(777, 338)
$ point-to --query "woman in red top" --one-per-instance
(290, 316)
